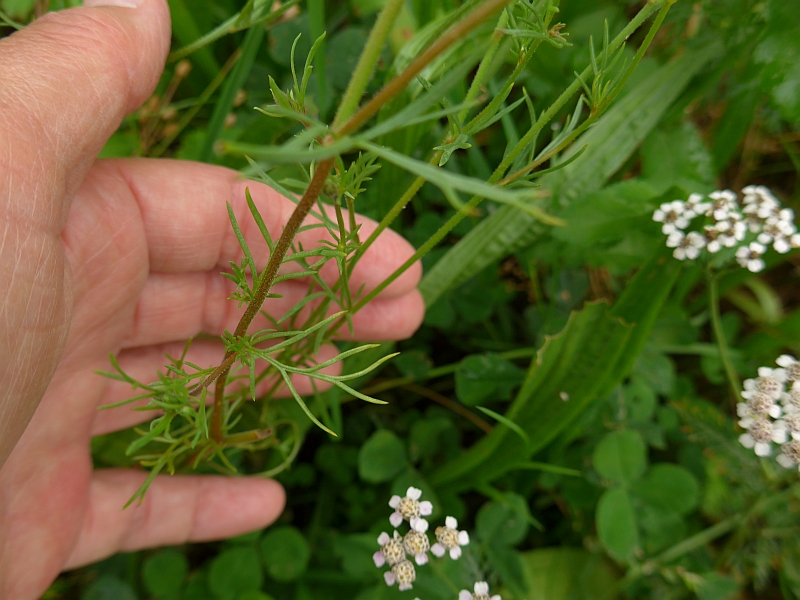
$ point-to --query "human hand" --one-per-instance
(118, 256)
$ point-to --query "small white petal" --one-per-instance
(755, 265)
(679, 253)
(383, 538)
(784, 360)
(404, 586)
(692, 253)
(464, 595)
(668, 228)
(425, 508)
(463, 538)
(379, 559)
(775, 411)
(389, 578)
(438, 549)
(481, 587)
(455, 553)
(746, 422)
(749, 384)
(421, 558)
(496, 597)
(414, 493)
(395, 519)
(784, 461)
(418, 524)
(451, 523)
(782, 246)
(747, 440)
(714, 246)
(659, 216)
(394, 501)
(763, 449)
(779, 436)
(742, 409)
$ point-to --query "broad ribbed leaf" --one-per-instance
(584, 362)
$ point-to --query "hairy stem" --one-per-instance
(265, 282)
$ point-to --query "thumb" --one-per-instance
(67, 81)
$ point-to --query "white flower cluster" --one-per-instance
(771, 412)
(726, 224)
(396, 549)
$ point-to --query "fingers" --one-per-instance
(144, 364)
(187, 227)
(176, 509)
(67, 81)
(180, 306)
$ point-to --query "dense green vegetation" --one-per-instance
(571, 397)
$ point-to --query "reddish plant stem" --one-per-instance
(266, 280)
(398, 84)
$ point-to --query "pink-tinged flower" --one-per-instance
(417, 545)
(410, 509)
(392, 550)
(481, 593)
(450, 539)
(403, 574)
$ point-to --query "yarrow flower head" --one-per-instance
(417, 545)
(410, 509)
(761, 433)
(723, 223)
(767, 421)
(450, 539)
(403, 574)
(392, 550)
(481, 593)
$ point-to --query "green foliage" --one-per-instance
(235, 571)
(566, 397)
(163, 573)
(286, 553)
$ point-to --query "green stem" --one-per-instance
(483, 71)
(367, 62)
(719, 334)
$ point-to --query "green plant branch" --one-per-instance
(265, 282)
(509, 159)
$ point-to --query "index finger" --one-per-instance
(186, 222)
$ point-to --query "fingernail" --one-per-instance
(123, 3)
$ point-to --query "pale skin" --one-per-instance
(118, 256)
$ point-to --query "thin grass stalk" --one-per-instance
(367, 62)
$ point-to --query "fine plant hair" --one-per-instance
(334, 164)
